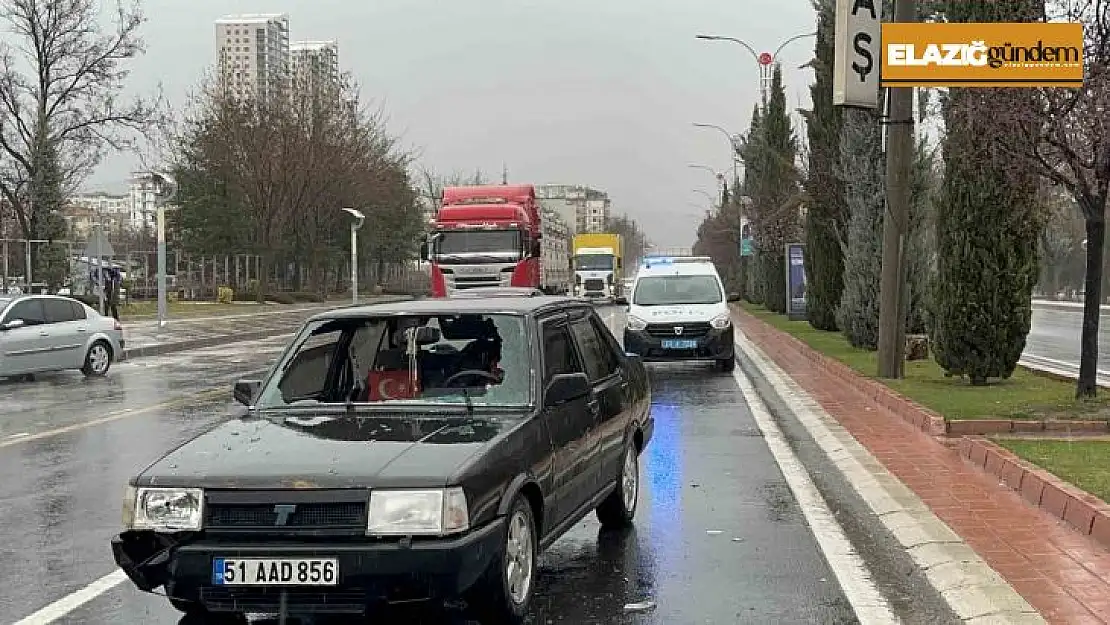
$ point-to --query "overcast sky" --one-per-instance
(596, 92)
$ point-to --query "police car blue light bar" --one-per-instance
(649, 261)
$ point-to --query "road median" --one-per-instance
(184, 334)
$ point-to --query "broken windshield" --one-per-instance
(475, 359)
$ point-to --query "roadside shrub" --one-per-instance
(225, 295)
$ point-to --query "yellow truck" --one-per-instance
(597, 266)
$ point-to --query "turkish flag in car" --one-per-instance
(391, 385)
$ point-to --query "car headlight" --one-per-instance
(163, 509)
(435, 512)
(721, 322)
(636, 324)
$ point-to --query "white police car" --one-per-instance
(678, 310)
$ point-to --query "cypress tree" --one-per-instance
(779, 199)
(750, 153)
(826, 217)
(988, 223)
(862, 170)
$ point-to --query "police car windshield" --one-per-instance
(665, 290)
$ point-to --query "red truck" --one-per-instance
(496, 236)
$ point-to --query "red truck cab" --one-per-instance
(485, 236)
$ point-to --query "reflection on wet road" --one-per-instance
(60, 399)
(719, 537)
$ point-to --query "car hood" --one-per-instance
(327, 451)
(678, 313)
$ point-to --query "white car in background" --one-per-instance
(41, 333)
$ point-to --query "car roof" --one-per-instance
(464, 306)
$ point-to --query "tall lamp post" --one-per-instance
(733, 142)
(765, 61)
(165, 187)
(356, 223)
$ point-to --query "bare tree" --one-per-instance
(1068, 144)
(269, 175)
(59, 116)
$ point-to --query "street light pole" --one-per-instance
(165, 187)
(733, 143)
(765, 61)
(355, 225)
(712, 200)
(893, 291)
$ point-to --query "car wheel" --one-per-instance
(97, 360)
(619, 508)
(727, 364)
(505, 590)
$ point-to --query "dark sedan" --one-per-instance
(396, 453)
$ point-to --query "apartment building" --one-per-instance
(252, 54)
(315, 64)
(85, 212)
(583, 208)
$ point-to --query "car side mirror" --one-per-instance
(734, 297)
(423, 250)
(13, 324)
(536, 250)
(622, 301)
(565, 387)
(246, 390)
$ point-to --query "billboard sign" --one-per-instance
(795, 282)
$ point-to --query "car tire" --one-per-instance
(97, 360)
(496, 598)
(619, 508)
(727, 364)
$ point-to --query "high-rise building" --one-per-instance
(584, 208)
(252, 54)
(315, 63)
(143, 194)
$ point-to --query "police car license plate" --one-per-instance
(679, 344)
(275, 572)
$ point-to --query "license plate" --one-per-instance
(679, 344)
(275, 571)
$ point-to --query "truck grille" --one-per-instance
(341, 511)
(595, 284)
(689, 330)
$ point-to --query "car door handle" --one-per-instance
(593, 405)
(44, 334)
(82, 329)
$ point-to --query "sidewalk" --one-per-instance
(145, 338)
(1064, 575)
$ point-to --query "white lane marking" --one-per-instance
(74, 600)
(855, 580)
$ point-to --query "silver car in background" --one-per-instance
(40, 333)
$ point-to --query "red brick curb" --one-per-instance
(913, 413)
(1079, 509)
(979, 427)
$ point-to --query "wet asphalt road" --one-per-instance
(1055, 334)
(719, 537)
